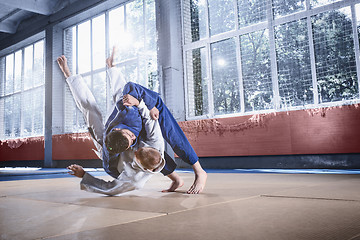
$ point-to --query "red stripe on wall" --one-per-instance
(73, 146)
(22, 149)
(322, 131)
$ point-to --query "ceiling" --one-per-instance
(14, 12)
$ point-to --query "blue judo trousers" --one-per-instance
(128, 117)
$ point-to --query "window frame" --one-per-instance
(89, 15)
(20, 47)
(270, 24)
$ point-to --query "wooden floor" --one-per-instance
(233, 206)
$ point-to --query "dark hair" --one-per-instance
(150, 158)
(116, 142)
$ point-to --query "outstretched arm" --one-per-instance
(92, 184)
(62, 62)
(76, 170)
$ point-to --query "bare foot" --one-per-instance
(177, 182)
(62, 62)
(110, 60)
(200, 179)
(199, 183)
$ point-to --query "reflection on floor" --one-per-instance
(234, 205)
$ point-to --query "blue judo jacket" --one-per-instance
(170, 129)
(123, 117)
(129, 118)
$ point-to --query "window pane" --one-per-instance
(2, 77)
(152, 74)
(150, 63)
(222, 16)
(8, 118)
(70, 110)
(141, 75)
(285, 7)
(98, 31)
(84, 61)
(27, 112)
(38, 111)
(39, 70)
(135, 27)
(318, 3)
(293, 60)
(131, 72)
(225, 77)
(256, 70)
(151, 34)
(9, 82)
(70, 48)
(16, 115)
(73, 60)
(136, 45)
(197, 82)
(251, 12)
(117, 35)
(28, 67)
(99, 90)
(2, 118)
(194, 20)
(334, 56)
(18, 71)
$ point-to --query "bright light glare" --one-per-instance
(221, 62)
(125, 40)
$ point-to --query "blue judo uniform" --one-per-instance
(129, 118)
(122, 117)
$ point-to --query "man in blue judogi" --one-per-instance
(124, 124)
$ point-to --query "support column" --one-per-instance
(170, 56)
(48, 97)
(170, 65)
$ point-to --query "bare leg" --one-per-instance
(62, 62)
(200, 179)
(177, 182)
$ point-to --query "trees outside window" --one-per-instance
(22, 79)
(251, 56)
(131, 28)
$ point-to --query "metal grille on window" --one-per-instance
(132, 31)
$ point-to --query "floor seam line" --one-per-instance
(137, 220)
(163, 214)
(214, 204)
(310, 198)
(74, 204)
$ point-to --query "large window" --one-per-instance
(131, 29)
(22, 92)
(247, 56)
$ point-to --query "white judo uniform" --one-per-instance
(132, 174)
